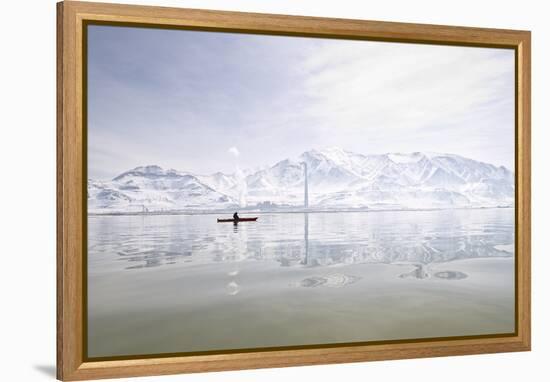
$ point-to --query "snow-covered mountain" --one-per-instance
(337, 179)
(152, 188)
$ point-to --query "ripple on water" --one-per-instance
(232, 288)
(335, 280)
(450, 275)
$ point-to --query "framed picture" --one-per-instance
(244, 190)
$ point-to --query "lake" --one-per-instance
(185, 283)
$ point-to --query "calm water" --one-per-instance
(177, 283)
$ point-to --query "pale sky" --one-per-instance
(206, 102)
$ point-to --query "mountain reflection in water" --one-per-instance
(172, 283)
(305, 239)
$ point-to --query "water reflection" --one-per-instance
(336, 280)
(232, 288)
(307, 240)
(451, 275)
(420, 271)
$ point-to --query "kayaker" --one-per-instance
(236, 216)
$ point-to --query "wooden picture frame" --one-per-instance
(72, 18)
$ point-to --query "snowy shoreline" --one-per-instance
(283, 211)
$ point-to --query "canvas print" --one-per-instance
(257, 192)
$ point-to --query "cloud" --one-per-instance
(234, 151)
(383, 97)
(180, 99)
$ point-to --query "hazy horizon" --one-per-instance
(205, 102)
(256, 168)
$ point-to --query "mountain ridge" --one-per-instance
(337, 179)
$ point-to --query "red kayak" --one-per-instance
(237, 221)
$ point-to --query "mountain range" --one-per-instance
(337, 179)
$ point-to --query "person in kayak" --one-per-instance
(236, 216)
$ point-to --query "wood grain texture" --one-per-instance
(69, 194)
(523, 189)
(71, 364)
(59, 192)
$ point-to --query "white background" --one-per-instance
(27, 192)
